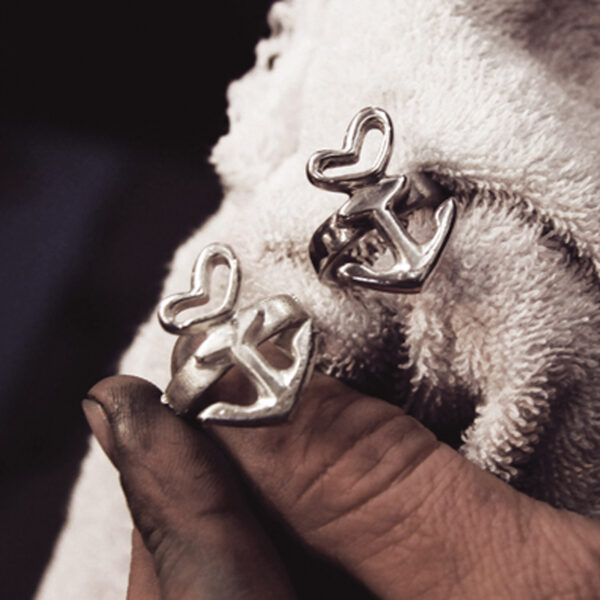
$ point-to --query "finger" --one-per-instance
(371, 488)
(143, 583)
(183, 498)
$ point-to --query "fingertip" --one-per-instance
(115, 391)
(98, 421)
(126, 415)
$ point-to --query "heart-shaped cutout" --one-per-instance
(199, 294)
(366, 120)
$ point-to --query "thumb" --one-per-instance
(183, 497)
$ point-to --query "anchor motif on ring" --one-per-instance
(376, 202)
(211, 343)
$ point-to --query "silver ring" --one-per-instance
(377, 202)
(213, 342)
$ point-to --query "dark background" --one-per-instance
(107, 117)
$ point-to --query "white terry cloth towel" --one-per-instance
(500, 102)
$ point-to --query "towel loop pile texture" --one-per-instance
(500, 355)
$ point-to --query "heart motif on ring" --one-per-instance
(366, 120)
(199, 294)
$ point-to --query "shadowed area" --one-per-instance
(107, 122)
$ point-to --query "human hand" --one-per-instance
(353, 477)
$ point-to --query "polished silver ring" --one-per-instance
(377, 203)
(212, 342)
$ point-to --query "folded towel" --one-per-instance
(500, 355)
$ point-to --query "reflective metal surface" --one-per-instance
(211, 344)
(199, 294)
(376, 202)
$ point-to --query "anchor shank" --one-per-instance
(257, 369)
(403, 246)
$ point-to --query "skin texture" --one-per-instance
(354, 478)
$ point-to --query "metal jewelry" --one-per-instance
(376, 202)
(211, 343)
